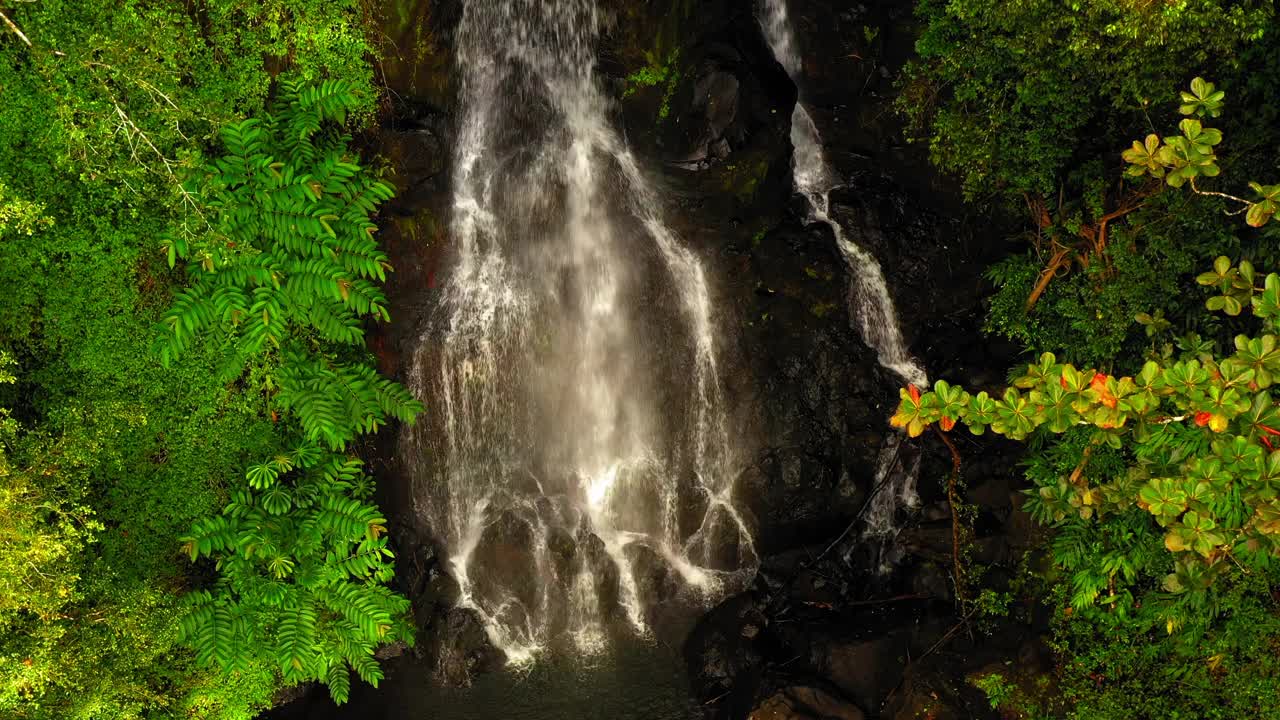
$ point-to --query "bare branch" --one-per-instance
(1233, 198)
(15, 29)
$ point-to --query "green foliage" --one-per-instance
(39, 538)
(997, 689)
(303, 566)
(1127, 666)
(290, 244)
(1133, 275)
(108, 459)
(665, 74)
(1160, 491)
(286, 267)
(1010, 96)
(20, 217)
(290, 255)
(1178, 159)
(1151, 474)
(1197, 435)
(1183, 158)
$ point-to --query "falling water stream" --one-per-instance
(870, 304)
(582, 440)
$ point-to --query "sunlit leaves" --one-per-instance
(1053, 405)
(909, 415)
(1261, 211)
(1205, 433)
(1014, 415)
(1164, 498)
(1196, 533)
(1191, 154)
(1143, 158)
(293, 246)
(1180, 159)
(1203, 100)
(1176, 158)
(291, 269)
(948, 402)
(305, 546)
(261, 475)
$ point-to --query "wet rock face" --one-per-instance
(693, 74)
(853, 56)
(506, 560)
(702, 101)
(707, 111)
(416, 62)
(726, 657)
(605, 571)
(656, 582)
(457, 648)
(818, 393)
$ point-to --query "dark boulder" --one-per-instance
(805, 703)
(458, 648)
(656, 582)
(864, 669)
(605, 571)
(505, 560)
(725, 658)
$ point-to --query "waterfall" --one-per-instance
(870, 305)
(579, 432)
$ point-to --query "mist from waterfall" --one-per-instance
(579, 431)
(869, 302)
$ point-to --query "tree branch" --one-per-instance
(15, 29)
(1214, 193)
(1050, 271)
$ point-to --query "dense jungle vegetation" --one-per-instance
(187, 241)
(189, 256)
(1146, 303)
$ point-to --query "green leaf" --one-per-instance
(1260, 213)
(1164, 498)
(1143, 157)
(261, 475)
(1203, 100)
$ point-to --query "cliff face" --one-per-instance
(707, 110)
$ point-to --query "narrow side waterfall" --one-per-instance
(579, 444)
(870, 304)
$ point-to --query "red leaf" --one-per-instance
(1202, 418)
(946, 423)
(1099, 385)
(914, 392)
(1063, 382)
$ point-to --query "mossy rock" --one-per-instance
(743, 177)
(416, 62)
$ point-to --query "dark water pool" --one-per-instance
(640, 682)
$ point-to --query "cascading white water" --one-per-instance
(572, 366)
(870, 304)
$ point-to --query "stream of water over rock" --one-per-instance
(583, 444)
(869, 302)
